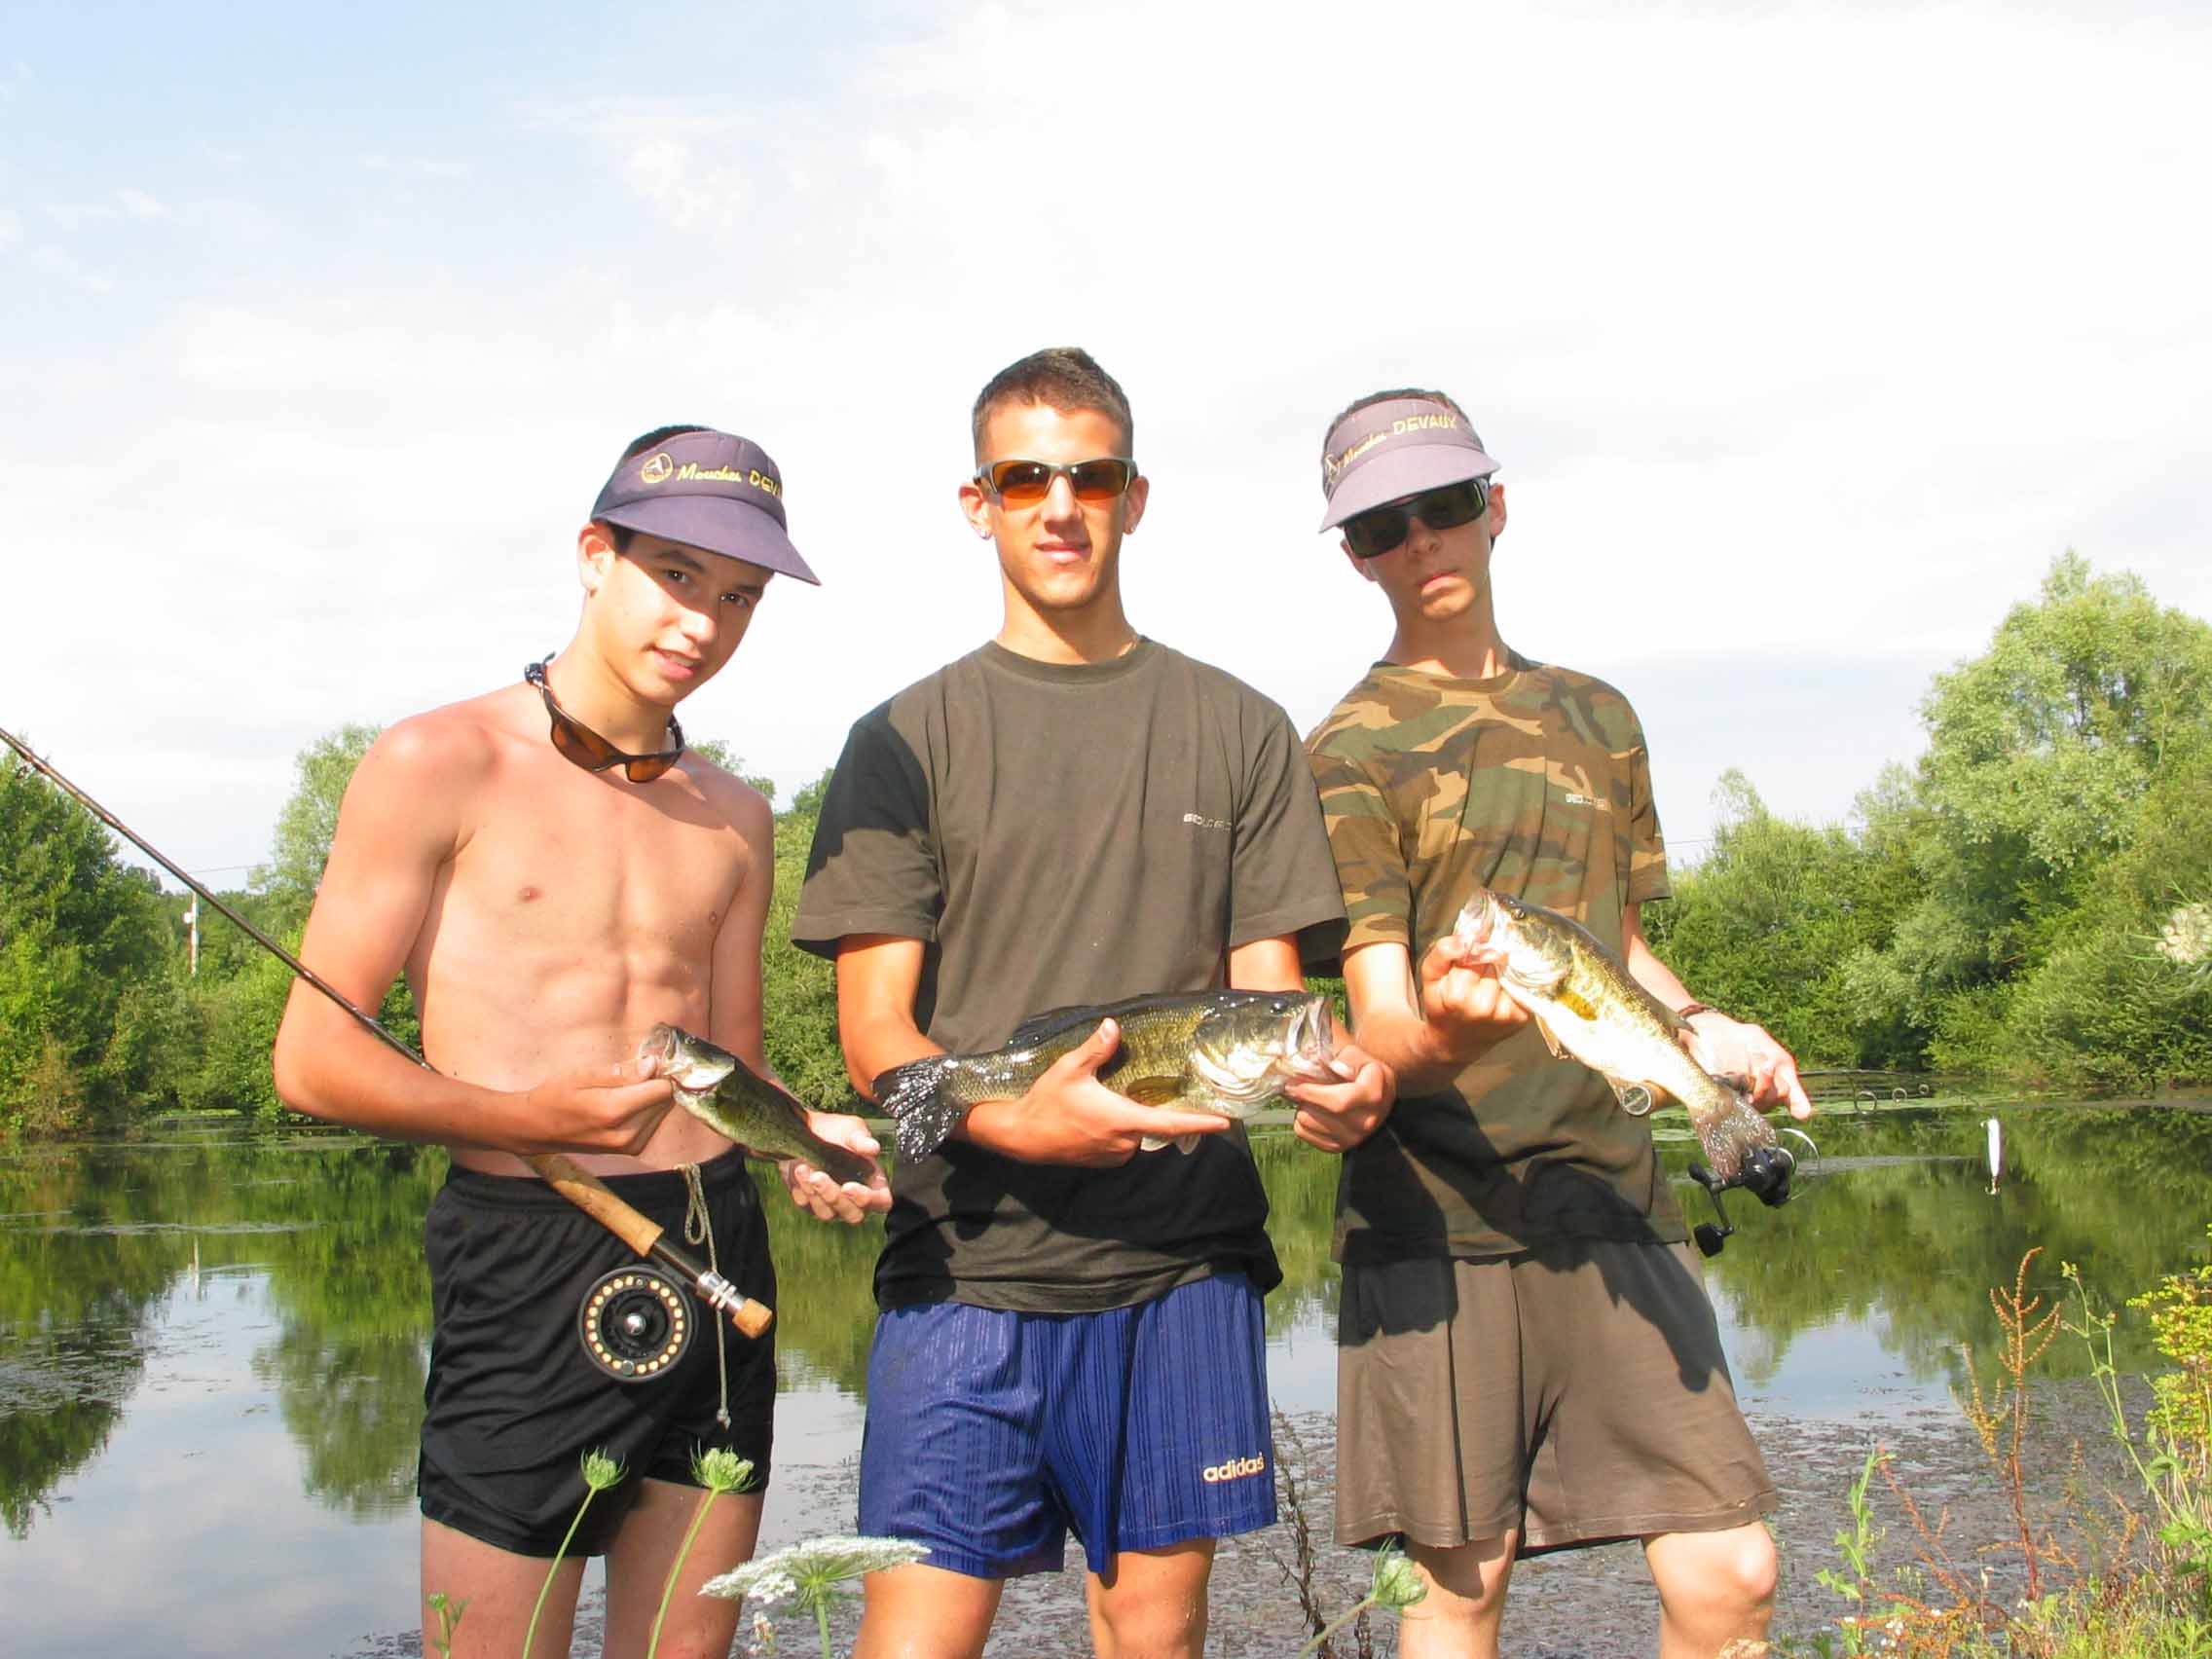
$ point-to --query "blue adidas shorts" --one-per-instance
(990, 1434)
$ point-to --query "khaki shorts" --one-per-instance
(1577, 1393)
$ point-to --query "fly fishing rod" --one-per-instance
(631, 1329)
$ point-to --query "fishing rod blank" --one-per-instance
(586, 1191)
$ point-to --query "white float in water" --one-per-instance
(1996, 1153)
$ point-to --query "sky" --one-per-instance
(1807, 337)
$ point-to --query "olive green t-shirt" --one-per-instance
(1060, 835)
(1535, 783)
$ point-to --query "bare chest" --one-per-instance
(579, 875)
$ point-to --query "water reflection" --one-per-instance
(275, 1289)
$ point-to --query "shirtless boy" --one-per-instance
(548, 907)
(1526, 1359)
(1071, 1333)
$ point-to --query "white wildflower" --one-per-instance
(811, 1570)
(2186, 937)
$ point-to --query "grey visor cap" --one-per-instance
(1389, 451)
(712, 491)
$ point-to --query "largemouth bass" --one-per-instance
(1587, 1005)
(730, 1098)
(1224, 1052)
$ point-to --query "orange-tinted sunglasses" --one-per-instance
(578, 743)
(1024, 483)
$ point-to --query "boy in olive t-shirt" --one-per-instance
(1526, 1359)
(1072, 814)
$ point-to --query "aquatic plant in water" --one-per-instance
(810, 1574)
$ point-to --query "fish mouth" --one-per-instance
(1475, 918)
(658, 1052)
(1313, 1040)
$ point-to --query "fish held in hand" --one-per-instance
(1225, 1052)
(732, 1099)
(1587, 1005)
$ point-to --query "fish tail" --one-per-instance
(1729, 1134)
(914, 1097)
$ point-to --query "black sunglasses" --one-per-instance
(1379, 529)
(578, 743)
(1025, 483)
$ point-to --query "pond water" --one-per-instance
(212, 1346)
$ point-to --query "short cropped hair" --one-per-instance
(1065, 378)
(659, 436)
(1396, 392)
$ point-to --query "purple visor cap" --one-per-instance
(706, 490)
(1389, 451)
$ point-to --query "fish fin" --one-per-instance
(1152, 1143)
(913, 1095)
(1574, 1003)
(1152, 1090)
(1186, 1144)
(1558, 1048)
(1040, 1025)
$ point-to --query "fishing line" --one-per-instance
(580, 1187)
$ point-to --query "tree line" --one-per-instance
(2027, 901)
(2030, 901)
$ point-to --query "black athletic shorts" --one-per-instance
(514, 1402)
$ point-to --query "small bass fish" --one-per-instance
(727, 1094)
(1224, 1052)
(1587, 1005)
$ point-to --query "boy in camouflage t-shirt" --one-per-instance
(1526, 1357)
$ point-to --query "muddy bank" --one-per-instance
(1594, 1603)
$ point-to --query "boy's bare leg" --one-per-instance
(501, 1588)
(1713, 1587)
(697, 1627)
(1151, 1603)
(917, 1611)
(1460, 1616)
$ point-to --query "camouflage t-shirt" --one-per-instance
(1533, 783)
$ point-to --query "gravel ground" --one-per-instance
(1594, 1603)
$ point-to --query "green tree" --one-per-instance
(799, 990)
(300, 845)
(2076, 739)
(78, 930)
(1765, 926)
(725, 757)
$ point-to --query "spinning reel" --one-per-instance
(1765, 1174)
(636, 1322)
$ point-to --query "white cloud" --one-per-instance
(1806, 335)
(70, 271)
(415, 167)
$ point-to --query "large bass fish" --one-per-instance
(1224, 1052)
(1587, 1005)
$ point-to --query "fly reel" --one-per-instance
(636, 1322)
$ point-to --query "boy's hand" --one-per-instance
(825, 1199)
(1336, 1117)
(606, 1109)
(1462, 1000)
(1737, 1049)
(1069, 1116)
